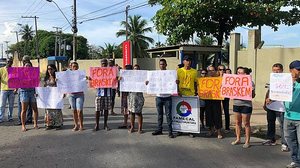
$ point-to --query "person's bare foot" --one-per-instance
(36, 127)
(24, 129)
(75, 128)
(131, 130)
(81, 128)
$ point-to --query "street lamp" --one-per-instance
(74, 25)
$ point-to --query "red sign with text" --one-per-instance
(126, 53)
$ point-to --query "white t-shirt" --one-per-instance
(276, 106)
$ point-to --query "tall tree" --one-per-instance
(27, 35)
(180, 19)
(137, 27)
(111, 49)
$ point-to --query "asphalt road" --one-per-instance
(117, 148)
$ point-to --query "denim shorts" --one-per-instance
(242, 109)
(27, 96)
(76, 101)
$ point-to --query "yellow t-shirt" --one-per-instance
(187, 80)
(4, 78)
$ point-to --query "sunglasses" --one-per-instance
(221, 69)
(203, 73)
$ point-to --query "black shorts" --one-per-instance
(242, 109)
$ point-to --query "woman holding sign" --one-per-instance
(53, 117)
(76, 100)
(135, 107)
(242, 110)
(28, 96)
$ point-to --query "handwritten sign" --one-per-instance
(71, 81)
(133, 81)
(103, 77)
(209, 88)
(49, 98)
(23, 77)
(237, 86)
(185, 114)
(281, 87)
(162, 82)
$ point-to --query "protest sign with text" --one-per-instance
(209, 88)
(23, 77)
(162, 82)
(133, 81)
(49, 98)
(281, 87)
(71, 81)
(185, 114)
(103, 77)
(237, 86)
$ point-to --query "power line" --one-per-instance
(103, 8)
(111, 14)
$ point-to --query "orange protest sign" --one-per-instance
(209, 88)
(103, 77)
(237, 86)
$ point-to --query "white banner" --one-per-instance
(133, 80)
(49, 98)
(186, 114)
(162, 82)
(71, 81)
(281, 87)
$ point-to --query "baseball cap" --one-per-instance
(188, 58)
(295, 65)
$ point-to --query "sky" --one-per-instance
(103, 30)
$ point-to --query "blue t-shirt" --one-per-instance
(293, 108)
(104, 92)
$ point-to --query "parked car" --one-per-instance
(2, 62)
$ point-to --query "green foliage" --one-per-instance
(180, 19)
(47, 45)
(136, 33)
(110, 49)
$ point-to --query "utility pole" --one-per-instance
(65, 45)
(36, 37)
(6, 49)
(56, 38)
(75, 30)
(16, 35)
(2, 51)
(126, 13)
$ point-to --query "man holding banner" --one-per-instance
(7, 94)
(161, 101)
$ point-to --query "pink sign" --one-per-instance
(237, 87)
(103, 77)
(23, 77)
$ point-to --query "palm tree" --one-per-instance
(109, 50)
(27, 35)
(136, 33)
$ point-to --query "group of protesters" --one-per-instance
(288, 113)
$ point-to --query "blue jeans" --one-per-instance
(76, 101)
(292, 136)
(280, 118)
(29, 111)
(160, 103)
(7, 95)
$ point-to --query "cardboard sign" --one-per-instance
(209, 88)
(23, 77)
(281, 87)
(237, 87)
(162, 82)
(133, 81)
(185, 114)
(49, 98)
(71, 81)
(103, 77)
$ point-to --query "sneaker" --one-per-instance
(171, 135)
(10, 120)
(246, 145)
(284, 148)
(292, 165)
(192, 135)
(157, 133)
(269, 143)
